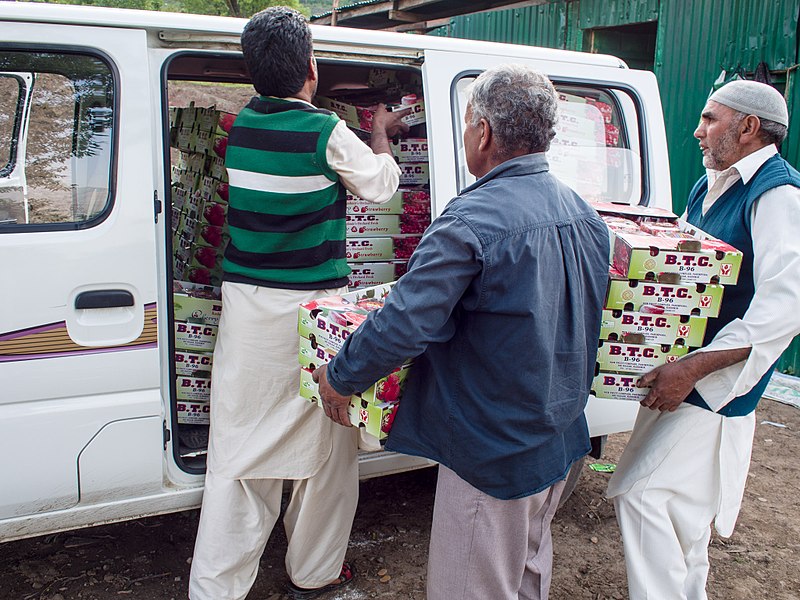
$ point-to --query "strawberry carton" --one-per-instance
(657, 249)
(193, 413)
(618, 386)
(410, 150)
(359, 206)
(384, 248)
(414, 174)
(213, 213)
(374, 408)
(364, 275)
(206, 257)
(329, 321)
(196, 310)
(621, 357)
(224, 123)
(371, 225)
(660, 328)
(671, 298)
(193, 389)
(312, 355)
(196, 364)
(198, 337)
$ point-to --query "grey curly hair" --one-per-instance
(520, 105)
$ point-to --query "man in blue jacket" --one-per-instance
(501, 311)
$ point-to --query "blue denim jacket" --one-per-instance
(501, 308)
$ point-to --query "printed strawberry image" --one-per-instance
(222, 191)
(390, 390)
(206, 256)
(226, 121)
(388, 420)
(212, 235)
(200, 276)
(221, 146)
(214, 214)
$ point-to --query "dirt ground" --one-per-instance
(150, 558)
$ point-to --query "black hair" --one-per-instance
(276, 43)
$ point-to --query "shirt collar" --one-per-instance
(747, 166)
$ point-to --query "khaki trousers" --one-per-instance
(484, 548)
(238, 516)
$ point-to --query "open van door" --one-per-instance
(80, 408)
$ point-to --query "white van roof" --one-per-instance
(167, 25)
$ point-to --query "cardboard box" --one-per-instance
(332, 319)
(360, 117)
(371, 225)
(370, 409)
(384, 248)
(193, 389)
(366, 274)
(193, 363)
(411, 150)
(404, 201)
(686, 330)
(414, 173)
(680, 299)
(195, 336)
(616, 386)
(312, 355)
(622, 357)
(193, 413)
(644, 256)
(196, 310)
(633, 211)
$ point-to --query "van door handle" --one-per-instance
(104, 299)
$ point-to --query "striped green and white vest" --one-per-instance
(286, 206)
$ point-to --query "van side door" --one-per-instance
(80, 406)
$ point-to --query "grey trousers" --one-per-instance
(483, 548)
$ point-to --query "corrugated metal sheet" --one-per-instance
(543, 25)
(696, 40)
(611, 13)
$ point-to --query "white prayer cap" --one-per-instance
(753, 98)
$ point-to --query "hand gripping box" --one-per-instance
(374, 408)
(621, 357)
(680, 299)
(683, 330)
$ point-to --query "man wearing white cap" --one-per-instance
(687, 460)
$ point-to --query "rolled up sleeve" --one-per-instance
(771, 320)
(372, 177)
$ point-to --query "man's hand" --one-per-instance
(333, 402)
(669, 385)
(389, 123)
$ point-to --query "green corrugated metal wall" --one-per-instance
(695, 40)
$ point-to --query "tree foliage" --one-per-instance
(228, 8)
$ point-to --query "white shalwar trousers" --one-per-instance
(680, 471)
(238, 516)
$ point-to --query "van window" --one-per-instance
(596, 147)
(62, 175)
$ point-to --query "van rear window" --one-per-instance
(58, 117)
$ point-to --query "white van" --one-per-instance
(89, 427)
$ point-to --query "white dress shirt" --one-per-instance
(773, 318)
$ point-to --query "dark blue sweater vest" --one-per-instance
(729, 220)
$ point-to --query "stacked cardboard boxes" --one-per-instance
(324, 325)
(197, 309)
(199, 192)
(666, 279)
(381, 237)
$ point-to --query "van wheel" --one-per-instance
(572, 480)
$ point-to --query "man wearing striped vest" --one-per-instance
(687, 460)
(289, 164)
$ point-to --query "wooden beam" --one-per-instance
(405, 16)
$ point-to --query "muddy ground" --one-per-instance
(150, 559)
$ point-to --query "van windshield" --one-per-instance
(596, 147)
